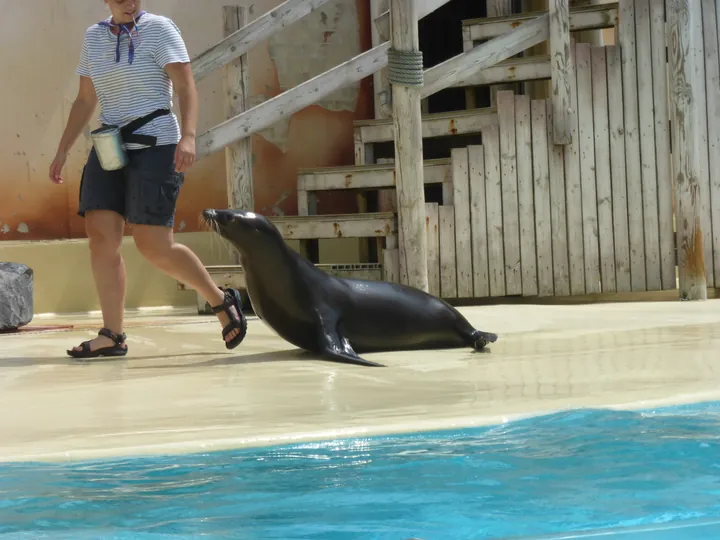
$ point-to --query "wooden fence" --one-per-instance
(528, 217)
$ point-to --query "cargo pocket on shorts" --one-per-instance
(167, 195)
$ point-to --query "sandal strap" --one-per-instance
(228, 302)
(119, 339)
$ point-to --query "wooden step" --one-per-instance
(361, 178)
(582, 18)
(529, 68)
(366, 225)
(433, 125)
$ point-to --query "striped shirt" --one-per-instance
(128, 90)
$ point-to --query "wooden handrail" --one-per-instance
(485, 55)
(293, 100)
(240, 42)
(437, 78)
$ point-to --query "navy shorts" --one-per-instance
(144, 192)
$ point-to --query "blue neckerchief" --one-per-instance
(131, 51)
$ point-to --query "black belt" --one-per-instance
(128, 134)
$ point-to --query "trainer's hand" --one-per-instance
(56, 167)
(185, 154)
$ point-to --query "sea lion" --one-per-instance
(336, 318)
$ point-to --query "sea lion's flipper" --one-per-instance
(347, 357)
(481, 339)
(337, 348)
(477, 339)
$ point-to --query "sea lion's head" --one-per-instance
(246, 230)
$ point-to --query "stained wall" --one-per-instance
(40, 46)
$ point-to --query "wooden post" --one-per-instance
(410, 188)
(691, 263)
(560, 68)
(499, 8)
(238, 157)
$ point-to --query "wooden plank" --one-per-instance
(560, 70)
(410, 192)
(711, 18)
(621, 236)
(526, 206)
(463, 236)
(470, 100)
(238, 156)
(647, 144)
(381, 85)
(496, 8)
(478, 220)
(601, 122)
(336, 226)
(493, 196)
(291, 101)
(561, 274)
(239, 43)
(448, 272)
(582, 18)
(586, 138)
(701, 119)
(541, 184)
(391, 265)
(499, 8)
(528, 68)
(459, 67)
(662, 145)
(691, 266)
(368, 177)
(461, 122)
(632, 145)
(511, 217)
(432, 221)
(573, 196)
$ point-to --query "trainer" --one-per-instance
(130, 63)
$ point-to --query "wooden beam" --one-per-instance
(238, 156)
(433, 125)
(408, 153)
(595, 17)
(691, 263)
(561, 70)
(464, 65)
(377, 224)
(240, 42)
(291, 101)
(528, 68)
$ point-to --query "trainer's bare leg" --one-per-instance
(157, 245)
(105, 229)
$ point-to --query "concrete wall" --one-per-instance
(41, 44)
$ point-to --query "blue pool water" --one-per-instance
(571, 471)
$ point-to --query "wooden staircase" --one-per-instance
(370, 175)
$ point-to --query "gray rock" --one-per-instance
(16, 295)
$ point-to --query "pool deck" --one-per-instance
(179, 390)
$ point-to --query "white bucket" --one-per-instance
(110, 148)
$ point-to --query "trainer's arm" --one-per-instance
(80, 114)
(183, 81)
(184, 84)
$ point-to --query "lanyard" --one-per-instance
(131, 52)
